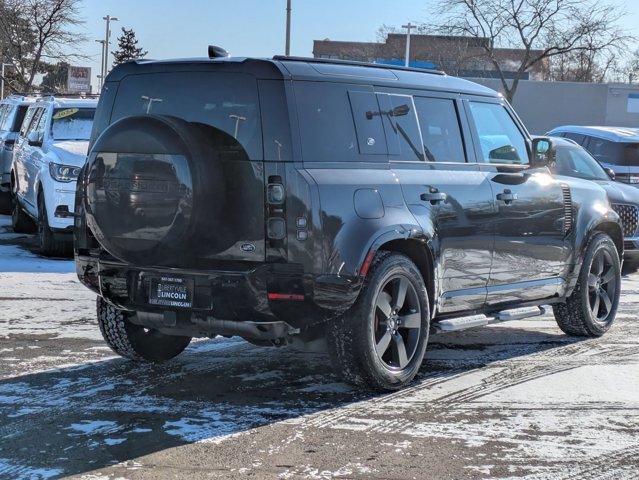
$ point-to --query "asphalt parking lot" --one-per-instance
(517, 400)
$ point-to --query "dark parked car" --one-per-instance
(309, 201)
(574, 161)
(616, 148)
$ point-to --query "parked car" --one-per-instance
(574, 161)
(12, 112)
(308, 201)
(49, 154)
(615, 148)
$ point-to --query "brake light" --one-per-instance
(286, 296)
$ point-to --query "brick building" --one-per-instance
(459, 56)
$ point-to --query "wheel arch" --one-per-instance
(419, 251)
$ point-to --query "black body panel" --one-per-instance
(350, 160)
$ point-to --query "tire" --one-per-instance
(591, 308)
(134, 341)
(6, 205)
(20, 221)
(376, 323)
(49, 245)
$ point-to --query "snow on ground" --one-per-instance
(518, 400)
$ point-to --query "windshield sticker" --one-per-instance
(65, 113)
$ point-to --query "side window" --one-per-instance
(5, 113)
(326, 124)
(19, 118)
(500, 139)
(41, 126)
(605, 151)
(28, 119)
(580, 139)
(368, 123)
(440, 128)
(401, 127)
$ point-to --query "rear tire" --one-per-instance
(6, 205)
(380, 342)
(49, 245)
(134, 341)
(591, 308)
(20, 221)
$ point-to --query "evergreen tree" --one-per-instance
(127, 48)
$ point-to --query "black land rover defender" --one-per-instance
(295, 200)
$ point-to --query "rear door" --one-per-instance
(530, 250)
(431, 153)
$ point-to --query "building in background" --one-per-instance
(546, 105)
(459, 56)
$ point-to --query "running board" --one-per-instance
(456, 324)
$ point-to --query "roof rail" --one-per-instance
(357, 64)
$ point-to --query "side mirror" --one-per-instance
(610, 172)
(543, 153)
(400, 111)
(34, 138)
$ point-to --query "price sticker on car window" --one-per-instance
(67, 112)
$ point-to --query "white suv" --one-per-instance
(49, 154)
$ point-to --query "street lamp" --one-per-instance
(2, 80)
(408, 28)
(101, 76)
(107, 38)
(287, 50)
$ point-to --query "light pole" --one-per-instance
(288, 28)
(101, 76)
(107, 38)
(2, 81)
(408, 28)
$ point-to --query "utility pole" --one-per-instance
(288, 28)
(2, 81)
(101, 76)
(107, 39)
(408, 28)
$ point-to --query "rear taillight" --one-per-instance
(275, 199)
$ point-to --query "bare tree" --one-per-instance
(541, 29)
(35, 31)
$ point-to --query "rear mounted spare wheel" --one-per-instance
(152, 183)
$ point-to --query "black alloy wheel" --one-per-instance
(602, 285)
(398, 322)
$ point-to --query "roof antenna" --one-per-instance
(218, 52)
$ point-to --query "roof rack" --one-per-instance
(357, 64)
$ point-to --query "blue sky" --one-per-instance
(184, 28)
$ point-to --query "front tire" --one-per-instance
(591, 308)
(20, 221)
(49, 245)
(380, 342)
(134, 341)
(6, 204)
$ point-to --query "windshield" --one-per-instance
(72, 123)
(576, 162)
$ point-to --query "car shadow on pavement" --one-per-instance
(76, 419)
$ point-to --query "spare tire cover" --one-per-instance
(143, 186)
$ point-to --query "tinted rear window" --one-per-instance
(226, 101)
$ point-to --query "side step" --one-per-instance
(456, 324)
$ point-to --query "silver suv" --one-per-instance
(12, 112)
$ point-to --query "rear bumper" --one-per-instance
(234, 294)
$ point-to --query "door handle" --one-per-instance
(507, 197)
(434, 196)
